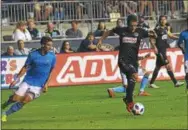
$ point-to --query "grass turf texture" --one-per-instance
(90, 107)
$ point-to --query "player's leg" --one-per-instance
(171, 74)
(131, 78)
(118, 89)
(131, 73)
(19, 105)
(155, 73)
(144, 82)
(17, 97)
(8, 102)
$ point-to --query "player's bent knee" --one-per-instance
(17, 98)
(147, 74)
(28, 98)
(168, 67)
(135, 77)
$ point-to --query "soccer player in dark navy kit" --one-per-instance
(163, 32)
(38, 68)
(130, 38)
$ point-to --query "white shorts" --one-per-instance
(186, 66)
(26, 88)
(141, 72)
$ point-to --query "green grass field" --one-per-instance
(90, 107)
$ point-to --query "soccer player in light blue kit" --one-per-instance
(183, 40)
(38, 68)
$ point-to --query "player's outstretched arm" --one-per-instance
(104, 36)
(152, 42)
(20, 74)
(170, 35)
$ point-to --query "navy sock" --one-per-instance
(155, 73)
(14, 108)
(130, 89)
(170, 73)
(9, 101)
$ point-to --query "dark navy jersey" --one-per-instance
(129, 43)
(162, 36)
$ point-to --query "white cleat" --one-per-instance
(153, 86)
(178, 84)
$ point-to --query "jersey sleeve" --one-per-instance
(29, 60)
(181, 38)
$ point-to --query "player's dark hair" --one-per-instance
(131, 18)
(160, 17)
(118, 21)
(45, 39)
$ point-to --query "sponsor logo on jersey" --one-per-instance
(165, 37)
(129, 40)
(136, 34)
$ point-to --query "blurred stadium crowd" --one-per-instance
(27, 13)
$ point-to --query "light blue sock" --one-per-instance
(14, 108)
(144, 82)
(119, 89)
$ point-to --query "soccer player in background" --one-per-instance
(183, 40)
(38, 68)
(163, 32)
(143, 84)
(130, 38)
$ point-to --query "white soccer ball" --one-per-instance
(138, 109)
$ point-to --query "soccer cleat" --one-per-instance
(4, 118)
(153, 86)
(129, 106)
(110, 92)
(143, 93)
(178, 84)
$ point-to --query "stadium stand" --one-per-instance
(87, 13)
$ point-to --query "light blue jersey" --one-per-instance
(184, 39)
(40, 67)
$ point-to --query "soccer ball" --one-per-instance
(138, 109)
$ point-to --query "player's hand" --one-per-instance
(99, 42)
(45, 88)
(12, 84)
(152, 33)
